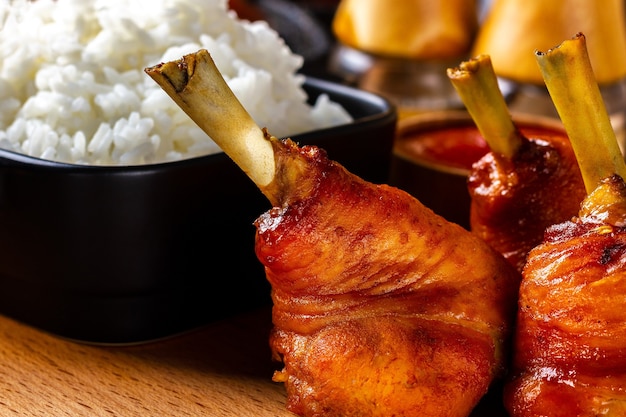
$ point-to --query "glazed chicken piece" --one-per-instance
(524, 184)
(570, 340)
(376, 306)
(570, 349)
(514, 200)
(381, 307)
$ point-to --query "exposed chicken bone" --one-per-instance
(570, 80)
(197, 86)
(477, 85)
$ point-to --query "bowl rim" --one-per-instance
(382, 111)
(455, 117)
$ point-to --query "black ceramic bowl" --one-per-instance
(130, 254)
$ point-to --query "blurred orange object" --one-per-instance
(514, 29)
(419, 29)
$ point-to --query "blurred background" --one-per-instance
(401, 49)
(310, 28)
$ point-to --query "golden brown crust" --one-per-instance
(570, 355)
(386, 364)
(378, 301)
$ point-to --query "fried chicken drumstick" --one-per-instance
(380, 307)
(570, 341)
(525, 184)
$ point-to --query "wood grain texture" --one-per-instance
(223, 369)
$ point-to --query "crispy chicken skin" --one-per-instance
(570, 340)
(514, 200)
(381, 307)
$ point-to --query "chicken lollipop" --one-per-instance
(570, 341)
(525, 184)
(380, 307)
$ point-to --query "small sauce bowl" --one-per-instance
(434, 152)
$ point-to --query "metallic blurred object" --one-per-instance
(412, 85)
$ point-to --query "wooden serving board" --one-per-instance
(222, 369)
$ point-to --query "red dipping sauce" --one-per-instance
(453, 146)
(457, 147)
(434, 153)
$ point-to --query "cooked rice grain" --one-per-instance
(72, 86)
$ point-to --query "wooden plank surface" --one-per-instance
(223, 369)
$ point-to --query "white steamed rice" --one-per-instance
(73, 87)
